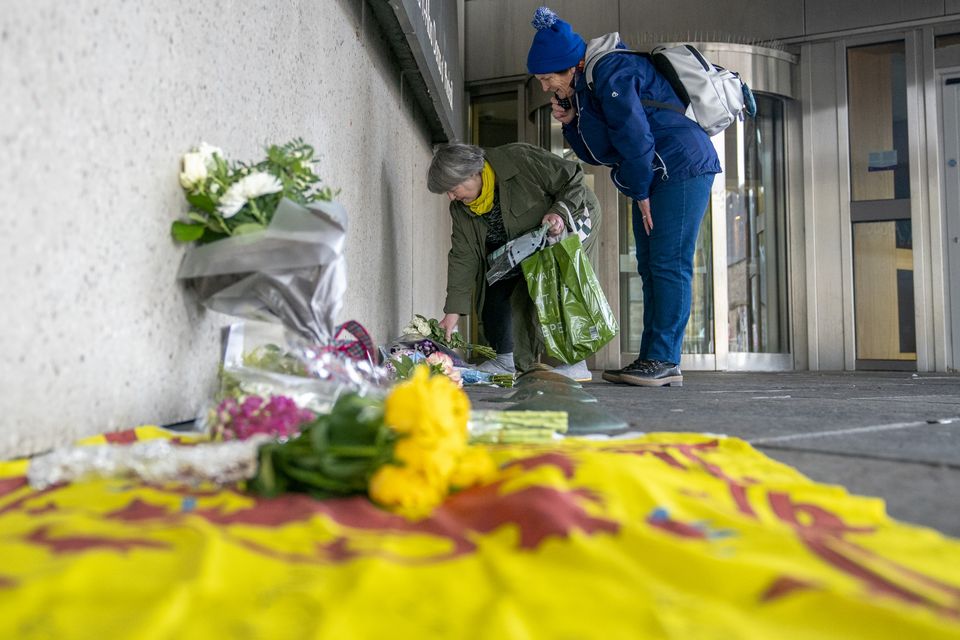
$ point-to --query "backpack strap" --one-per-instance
(656, 104)
(663, 105)
(592, 62)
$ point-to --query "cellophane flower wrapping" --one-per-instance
(154, 461)
(264, 360)
(293, 272)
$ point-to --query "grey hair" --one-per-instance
(452, 164)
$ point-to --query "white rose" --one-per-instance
(194, 170)
(207, 151)
(422, 326)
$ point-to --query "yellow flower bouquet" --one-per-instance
(407, 451)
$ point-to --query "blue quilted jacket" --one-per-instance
(638, 142)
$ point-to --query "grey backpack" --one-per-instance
(712, 96)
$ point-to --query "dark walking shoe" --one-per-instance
(616, 375)
(655, 374)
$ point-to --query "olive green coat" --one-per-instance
(532, 182)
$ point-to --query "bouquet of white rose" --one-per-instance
(269, 240)
(228, 199)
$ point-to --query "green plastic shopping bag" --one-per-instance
(573, 312)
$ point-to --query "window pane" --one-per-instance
(877, 101)
(494, 119)
(947, 40)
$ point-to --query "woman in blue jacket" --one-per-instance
(662, 160)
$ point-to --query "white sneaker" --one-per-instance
(577, 371)
(503, 363)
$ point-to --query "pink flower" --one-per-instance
(441, 359)
(279, 417)
(444, 363)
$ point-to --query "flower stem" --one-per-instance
(223, 224)
(256, 212)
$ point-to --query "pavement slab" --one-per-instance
(893, 435)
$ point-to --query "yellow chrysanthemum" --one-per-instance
(405, 491)
(428, 408)
(430, 414)
(436, 463)
(474, 467)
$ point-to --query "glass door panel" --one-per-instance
(756, 324)
(698, 337)
(757, 315)
(877, 99)
(880, 206)
(883, 290)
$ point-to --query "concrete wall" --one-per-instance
(99, 100)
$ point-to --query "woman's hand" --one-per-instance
(563, 115)
(557, 225)
(449, 323)
(645, 214)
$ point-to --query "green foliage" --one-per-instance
(405, 366)
(291, 164)
(186, 232)
(271, 357)
(333, 456)
(456, 341)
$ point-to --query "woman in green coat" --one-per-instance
(496, 196)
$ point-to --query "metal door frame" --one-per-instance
(949, 120)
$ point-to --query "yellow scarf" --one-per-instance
(484, 202)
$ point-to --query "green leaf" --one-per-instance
(186, 232)
(210, 235)
(202, 201)
(247, 227)
(196, 217)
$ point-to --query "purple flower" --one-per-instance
(278, 416)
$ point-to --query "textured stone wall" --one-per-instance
(99, 99)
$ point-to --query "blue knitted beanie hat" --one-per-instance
(556, 47)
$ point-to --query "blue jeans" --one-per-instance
(665, 262)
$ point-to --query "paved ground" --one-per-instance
(892, 435)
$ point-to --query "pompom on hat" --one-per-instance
(556, 47)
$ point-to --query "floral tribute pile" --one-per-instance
(268, 245)
(407, 452)
(430, 330)
(425, 341)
